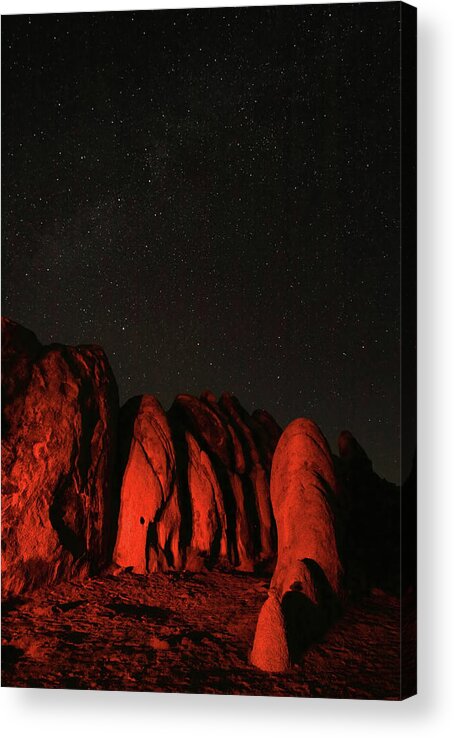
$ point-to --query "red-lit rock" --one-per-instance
(208, 518)
(58, 455)
(214, 435)
(308, 573)
(149, 520)
(254, 442)
(225, 434)
(260, 483)
(184, 502)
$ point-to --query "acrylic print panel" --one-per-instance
(209, 351)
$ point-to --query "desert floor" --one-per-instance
(188, 633)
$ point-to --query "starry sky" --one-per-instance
(213, 196)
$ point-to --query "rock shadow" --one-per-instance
(139, 612)
(307, 621)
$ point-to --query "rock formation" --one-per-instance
(372, 532)
(195, 489)
(307, 580)
(59, 422)
(186, 489)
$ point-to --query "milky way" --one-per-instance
(213, 196)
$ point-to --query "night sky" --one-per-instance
(213, 196)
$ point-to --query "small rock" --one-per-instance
(158, 644)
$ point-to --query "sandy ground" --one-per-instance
(188, 633)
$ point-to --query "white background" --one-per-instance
(69, 714)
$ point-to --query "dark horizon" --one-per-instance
(217, 208)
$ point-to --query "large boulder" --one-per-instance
(149, 520)
(307, 580)
(59, 418)
(208, 543)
